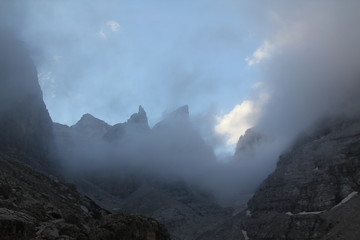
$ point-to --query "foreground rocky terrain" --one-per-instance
(312, 194)
(36, 206)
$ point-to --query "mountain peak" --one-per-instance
(88, 119)
(91, 126)
(248, 142)
(137, 123)
(87, 116)
(178, 116)
(183, 110)
(181, 113)
(139, 118)
(141, 110)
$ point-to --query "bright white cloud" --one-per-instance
(262, 53)
(242, 117)
(236, 122)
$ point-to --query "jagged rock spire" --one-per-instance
(137, 123)
(141, 110)
(139, 118)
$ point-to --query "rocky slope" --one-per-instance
(35, 206)
(186, 211)
(313, 193)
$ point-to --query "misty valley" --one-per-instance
(112, 129)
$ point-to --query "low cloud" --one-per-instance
(311, 72)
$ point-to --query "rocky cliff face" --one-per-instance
(247, 142)
(25, 125)
(313, 193)
(316, 174)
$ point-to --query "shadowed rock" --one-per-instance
(25, 124)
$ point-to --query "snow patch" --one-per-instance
(84, 209)
(248, 213)
(304, 213)
(245, 234)
(350, 196)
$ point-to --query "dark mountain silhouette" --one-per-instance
(25, 124)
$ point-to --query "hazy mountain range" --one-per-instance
(166, 173)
